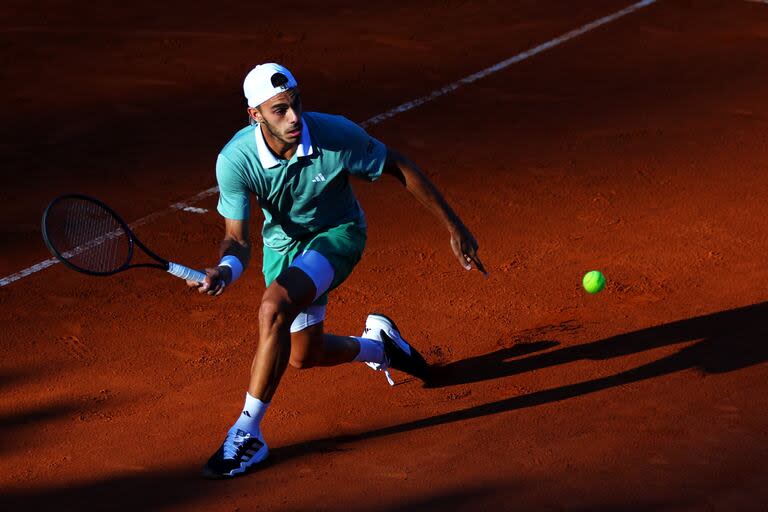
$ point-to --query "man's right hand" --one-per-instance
(215, 281)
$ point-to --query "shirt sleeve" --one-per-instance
(365, 156)
(233, 192)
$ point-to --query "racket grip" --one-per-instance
(185, 272)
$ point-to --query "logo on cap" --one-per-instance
(279, 81)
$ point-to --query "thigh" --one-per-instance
(292, 292)
(342, 246)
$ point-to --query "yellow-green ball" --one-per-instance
(593, 281)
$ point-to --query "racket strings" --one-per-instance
(87, 235)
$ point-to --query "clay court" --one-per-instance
(638, 147)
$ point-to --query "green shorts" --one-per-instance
(341, 245)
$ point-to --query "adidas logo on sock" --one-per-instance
(318, 178)
(246, 413)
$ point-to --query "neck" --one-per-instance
(280, 148)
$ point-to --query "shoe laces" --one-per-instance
(383, 367)
(235, 440)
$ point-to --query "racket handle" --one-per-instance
(185, 272)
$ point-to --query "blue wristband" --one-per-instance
(234, 264)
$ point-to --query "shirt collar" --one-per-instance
(268, 159)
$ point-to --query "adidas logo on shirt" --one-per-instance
(318, 178)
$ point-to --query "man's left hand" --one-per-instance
(464, 247)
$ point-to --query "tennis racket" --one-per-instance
(88, 236)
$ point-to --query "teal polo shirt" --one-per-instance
(307, 194)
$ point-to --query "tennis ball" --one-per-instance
(593, 281)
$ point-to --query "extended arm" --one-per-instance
(408, 173)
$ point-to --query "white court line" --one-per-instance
(758, 1)
(505, 63)
(384, 116)
(144, 220)
(194, 209)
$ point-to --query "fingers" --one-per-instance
(219, 289)
(470, 256)
(478, 264)
(214, 287)
(465, 248)
(461, 255)
(213, 284)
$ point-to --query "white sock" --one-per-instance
(250, 418)
(371, 351)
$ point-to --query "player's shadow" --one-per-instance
(725, 341)
(487, 366)
(718, 343)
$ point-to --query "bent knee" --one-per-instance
(302, 362)
(274, 313)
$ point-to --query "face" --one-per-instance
(281, 116)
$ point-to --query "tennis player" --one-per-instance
(297, 165)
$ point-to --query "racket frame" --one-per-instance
(132, 240)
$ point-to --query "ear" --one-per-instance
(254, 114)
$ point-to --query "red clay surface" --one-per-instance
(639, 149)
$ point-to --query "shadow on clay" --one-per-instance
(18, 426)
(487, 366)
(140, 491)
(728, 341)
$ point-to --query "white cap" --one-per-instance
(265, 81)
